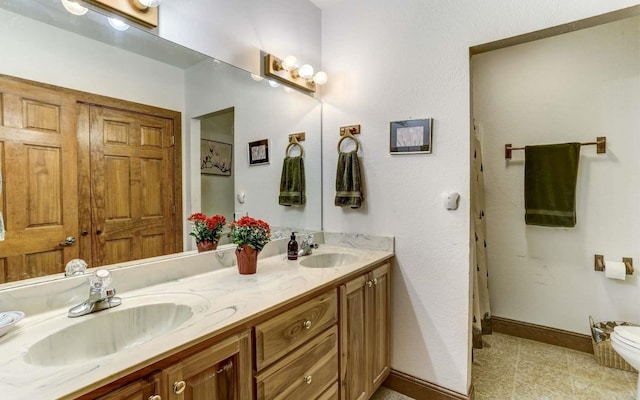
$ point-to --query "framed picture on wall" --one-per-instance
(412, 136)
(259, 152)
(215, 157)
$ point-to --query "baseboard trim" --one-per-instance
(557, 337)
(421, 390)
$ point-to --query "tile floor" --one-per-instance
(512, 368)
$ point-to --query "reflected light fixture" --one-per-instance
(74, 7)
(117, 24)
(289, 71)
(144, 4)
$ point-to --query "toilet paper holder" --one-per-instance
(600, 266)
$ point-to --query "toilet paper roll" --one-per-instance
(615, 270)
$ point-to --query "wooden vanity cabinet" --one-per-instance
(142, 389)
(297, 351)
(364, 333)
(221, 372)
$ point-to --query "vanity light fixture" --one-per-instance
(144, 4)
(143, 12)
(289, 71)
(74, 7)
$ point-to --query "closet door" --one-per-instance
(38, 179)
(132, 181)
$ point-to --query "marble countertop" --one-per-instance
(221, 299)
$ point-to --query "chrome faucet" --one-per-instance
(100, 298)
(307, 245)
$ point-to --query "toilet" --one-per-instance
(625, 340)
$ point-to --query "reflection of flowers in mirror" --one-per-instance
(207, 228)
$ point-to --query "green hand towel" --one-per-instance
(292, 185)
(550, 176)
(348, 191)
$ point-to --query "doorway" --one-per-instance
(217, 172)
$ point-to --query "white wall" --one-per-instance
(394, 60)
(236, 31)
(572, 87)
(40, 52)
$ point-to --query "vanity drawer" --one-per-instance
(331, 393)
(283, 333)
(307, 373)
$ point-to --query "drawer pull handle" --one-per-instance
(306, 324)
(370, 283)
(155, 397)
(179, 387)
(307, 379)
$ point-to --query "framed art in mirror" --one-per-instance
(259, 152)
(215, 157)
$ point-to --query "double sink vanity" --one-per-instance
(191, 327)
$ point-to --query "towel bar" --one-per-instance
(600, 143)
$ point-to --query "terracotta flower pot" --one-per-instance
(206, 245)
(247, 260)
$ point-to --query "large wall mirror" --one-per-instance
(220, 105)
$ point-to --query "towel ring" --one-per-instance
(294, 143)
(349, 136)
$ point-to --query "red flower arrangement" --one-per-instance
(207, 229)
(251, 232)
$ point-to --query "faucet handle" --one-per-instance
(75, 267)
(100, 279)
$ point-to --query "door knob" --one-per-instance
(69, 241)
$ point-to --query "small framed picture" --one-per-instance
(259, 152)
(412, 136)
(215, 157)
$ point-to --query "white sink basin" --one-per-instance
(136, 321)
(328, 260)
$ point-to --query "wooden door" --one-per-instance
(377, 315)
(143, 389)
(38, 182)
(221, 372)
(354, 375)
(132, 180)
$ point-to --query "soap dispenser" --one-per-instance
(292, 248)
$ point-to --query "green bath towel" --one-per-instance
(550, 176)
(292, 185)
(348, 181)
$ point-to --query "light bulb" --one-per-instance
(320, 78)
(74, 8)
(150, 3)
(273, 83)
(117, 24)
(289, 63)
(306, 71)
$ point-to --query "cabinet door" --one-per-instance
(377, 315)
(354, 374)
(143, 389)
(221, 372)
(38, 179)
